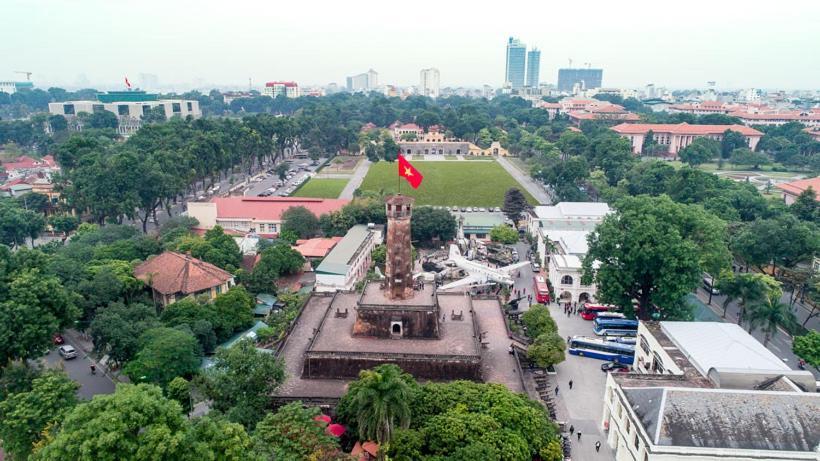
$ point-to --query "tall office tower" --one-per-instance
(363, 82)
(585, 77)
(429, 82)
(516, 59)
(533, 67)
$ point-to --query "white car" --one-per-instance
(67, 351)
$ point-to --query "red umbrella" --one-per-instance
(336, 430)
(322, 418)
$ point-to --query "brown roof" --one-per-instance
(172, 272)
(797, 187)
(683, 128)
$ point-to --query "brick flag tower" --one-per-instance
(399, 264)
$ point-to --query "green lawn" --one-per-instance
(478, 157)
(321, 188)
(448, 183)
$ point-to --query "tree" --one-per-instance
(301, 221)
(514, 204)
(233, 311)
(179, 390)
(701, 150)
(504, 234)
(281, 170)
(769, 315)
(116, 329)
(18, 224)
(731, 140)
(57, 123)
(292, 433)
(762, 242)
(805, 206)
(134, 423)
(430, 224)
(654, 250)
(744, 156)
(154, 115)
(538, 321)
(218, 439)
(63, 223)
(26, 415)
(165, 353)
(242, 381)
(547, 349)
(807, 347)
(274, 262)
(380, 402)
(747, 289)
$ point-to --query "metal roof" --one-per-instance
(338, 260)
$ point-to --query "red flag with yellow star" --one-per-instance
(409, 172)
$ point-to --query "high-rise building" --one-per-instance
(516, 60)
(287, 89)
(363, 82)
(585, 77)
(533, 68)
(429, 84)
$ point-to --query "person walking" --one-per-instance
(597, 446)
(579, 436)
(556, 390)
(571, 429)
(570, 384)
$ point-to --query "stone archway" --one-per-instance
(566, 297)
(584, 297)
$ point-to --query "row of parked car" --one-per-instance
(468, 209)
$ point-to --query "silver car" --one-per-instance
(67, 351)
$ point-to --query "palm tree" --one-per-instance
(381, 401)
(746, 289)
(769, 315)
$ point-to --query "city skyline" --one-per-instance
(214, 54)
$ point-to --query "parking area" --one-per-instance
(268, 183)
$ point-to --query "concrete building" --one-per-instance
(478, 224)
(348, 261)
(128, 106)
(561, 234)
(586, 78)
(606, 112)
(515, 71)
(791, 190)
(173, 276)
(261, 215)
(678, 136)
(429, 82)
(363, 82)
(276, 89)
(709, 391)
(14, 87)
(533, 68)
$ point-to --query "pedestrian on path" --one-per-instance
(579, 436)
(556, 390)
(570, 384)
(571, 429)
(597, 446)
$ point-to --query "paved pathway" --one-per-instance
(356, 179)
(526, 182)
(79, 369)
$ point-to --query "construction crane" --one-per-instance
(28, 74)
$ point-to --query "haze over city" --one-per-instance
(202, 44)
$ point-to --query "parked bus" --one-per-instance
(615, 327)
(603, 350)
(610, 315)
(590, 311)
(542, 290)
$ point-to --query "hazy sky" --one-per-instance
(670, 43)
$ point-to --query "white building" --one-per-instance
(14, 87)
(129, 107)
(561, 234)
(276, 89)
(348, 262)
(709, 391)
(429, 82)
(363, 82)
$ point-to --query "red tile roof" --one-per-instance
(172, 272)
(26, 163)
(271, 208)
(797, 187)
(316, 248)
(409, 126)
(682, 128)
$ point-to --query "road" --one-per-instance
(526, 181)
(79, 369)
(356, 179)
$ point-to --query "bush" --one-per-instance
(504, 234)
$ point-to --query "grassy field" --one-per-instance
(341, 164)
(448, 183)
(321, 188)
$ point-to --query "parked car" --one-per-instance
(536, 267)
(57, 339)
(497, 209)
(67, 351)
(614, 367)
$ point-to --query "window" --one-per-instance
(566, 280)
(176, 107)
(190, 106)
(122, 109)
(644, 344)
(637, 442)
(68, 109)
(657, 363)
(146, 109)
(98, 108)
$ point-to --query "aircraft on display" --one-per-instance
(478, 273)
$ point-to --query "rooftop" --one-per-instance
(172, 272)
(573, 242)
(125, 96)
(271, 208)
(683, 128)
(722, 418)
(339, 258)
(316, 247)
(567, 261)
(699, 342)
(374, 295)
(797, 187)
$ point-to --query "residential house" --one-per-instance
(173, 276)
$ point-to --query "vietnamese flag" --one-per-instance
(409, 172)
